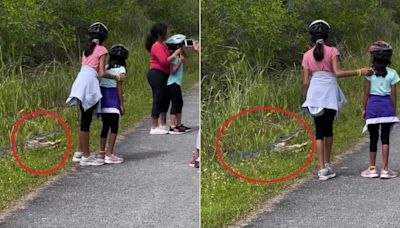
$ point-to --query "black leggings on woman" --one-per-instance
(374, 135)
(324, 124)
(86, 118)
(110, 121)
(158, 82)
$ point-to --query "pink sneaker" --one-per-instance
(113, 159)
(370, 173)
(388, 174)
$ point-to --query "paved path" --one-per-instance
(346, 201)
(155, 187)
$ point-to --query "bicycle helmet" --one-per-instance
(119, 50)
(98, 30)
(381, 50)
(176, 39)
(319, 26)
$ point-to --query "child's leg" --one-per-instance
(373, 144)
(105, 117)
(114, 123)
(385, 134)
(86, 120)
(171, 91)
(319, 140)
(329, 117)
(179, 106)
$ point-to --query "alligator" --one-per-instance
(36, 141)
(278, 145)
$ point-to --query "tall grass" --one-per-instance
(224, 197)
(47, 87)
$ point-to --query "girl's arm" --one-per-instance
(104, 74)
(121, 97)
(306, 79)
(161, 55)
(175, 67)
(366, 90)
(347, 73)
(393, 96)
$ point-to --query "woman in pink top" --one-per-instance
(85, 90)
(160, 59)
(324, 97)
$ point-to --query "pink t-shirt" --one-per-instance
(325, 64)
(93, 60)
(159, 57)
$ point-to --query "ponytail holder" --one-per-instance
(320, 41)
(97, 41)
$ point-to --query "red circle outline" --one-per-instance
(295, 173)
(14, 151)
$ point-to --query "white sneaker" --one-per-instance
(330, 173)
(91, 160)
(323, 174)
(388, 174)
(77, 156)
(159, 131)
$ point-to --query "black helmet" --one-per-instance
(98, 30)
(319, 26)
(119, 50)
(381, 50)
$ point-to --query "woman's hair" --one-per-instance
(319, 39)
(157, 30)
(91, 43)
(116, 61)
(379, 66)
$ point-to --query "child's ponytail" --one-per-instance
(379, 67)
(156, 31)
(90, 45)
(319, 50)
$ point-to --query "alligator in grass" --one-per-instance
(36, 141)
(280, 144)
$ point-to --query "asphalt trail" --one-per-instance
(155, 187)
(345, 201)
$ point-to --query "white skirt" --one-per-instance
(85, 90)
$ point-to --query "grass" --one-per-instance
(47, 87)
(225, 198)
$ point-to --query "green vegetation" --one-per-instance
(250, 57)
(37, 71)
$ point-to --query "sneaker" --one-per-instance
(113, 159)
(91, 160)
(370, 173)
(165, 127)
(187, 129)
(77, 156)
(388, 174)
(323, 175)
(197, 163)
(192, 162)
(176, 130)
(330, 173)
(158, 131)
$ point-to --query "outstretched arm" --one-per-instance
(347, 73)
(367, 87)
(103, 73)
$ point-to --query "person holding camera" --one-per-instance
(160, 60)
(174, 84)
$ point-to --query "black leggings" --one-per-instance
(86, 118)
(374, 135)
(324, 124)
(175, 94)
(158, 82)
(110, 120)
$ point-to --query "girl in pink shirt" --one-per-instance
(324, 97)
(160, 60)
(85, 90)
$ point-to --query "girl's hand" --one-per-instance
(196, 45)
(122, 107)
(182, 58)
(367, 71)
(121, 77)
(177, 52)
